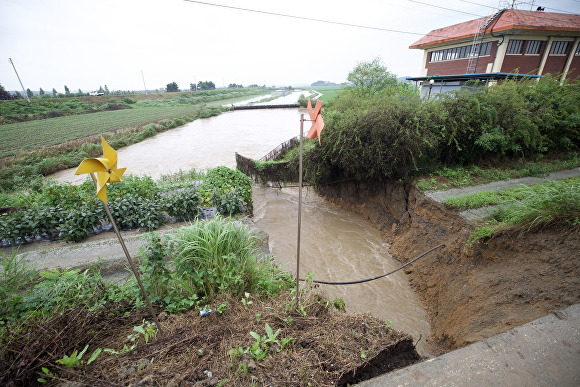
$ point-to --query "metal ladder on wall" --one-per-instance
(478, 39)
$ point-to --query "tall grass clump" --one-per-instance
(219, 255)
(207, 258)
(552, 204)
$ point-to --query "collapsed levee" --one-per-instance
(263, 172)
(468, 293)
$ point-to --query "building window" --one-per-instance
(515, 46)
(533, 46)
(460, 52)
(558, 48)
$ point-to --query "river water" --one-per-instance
(336, 245)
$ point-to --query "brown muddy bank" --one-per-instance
(469, 293)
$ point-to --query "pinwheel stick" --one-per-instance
(131, 263)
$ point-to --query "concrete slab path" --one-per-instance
(543, 352)
(475, 214)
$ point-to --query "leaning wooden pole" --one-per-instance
(299, 214)
(131, 263)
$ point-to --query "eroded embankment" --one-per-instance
(469, 293)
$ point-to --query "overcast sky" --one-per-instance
(86, 44)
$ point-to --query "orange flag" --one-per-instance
(316, 118)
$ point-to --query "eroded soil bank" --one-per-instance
(469, 293)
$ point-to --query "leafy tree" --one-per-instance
(66, 90)
(41, 92)
(172, 87)
(4, 94)
(369, 78)
(101, 90)
(54, 93)
(29, 93)
(202, 85)
(192, 86)
(107, 92)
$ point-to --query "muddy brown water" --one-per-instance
(336, 245)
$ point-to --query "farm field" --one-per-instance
(37, 134)
(328, 92)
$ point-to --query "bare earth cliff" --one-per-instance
(469, 293)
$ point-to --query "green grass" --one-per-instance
(211, 257)
(328, 92)
(543, 205)
(531, 207)
(492, 198)
(53, 131)
(447, 178)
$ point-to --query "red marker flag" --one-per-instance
(316, 118)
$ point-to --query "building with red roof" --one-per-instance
(510, 43)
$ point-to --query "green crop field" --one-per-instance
(328, 92)
(53, 131)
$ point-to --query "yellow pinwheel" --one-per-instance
(105, 167)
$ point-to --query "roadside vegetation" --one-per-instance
(526, 208)
(381, 132)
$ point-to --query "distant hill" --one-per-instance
(324, 83)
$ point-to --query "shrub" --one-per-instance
(516, 118)
(373, 139)
(223, 180)
(183, 204)
(217, 255)
(135, 211)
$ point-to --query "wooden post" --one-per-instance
(299, 214)
(131, 263)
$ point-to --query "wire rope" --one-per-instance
(380, 276)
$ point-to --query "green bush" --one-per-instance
(218, 255)
(221, 181)
(373, 139)
(183, 204)
(135, 211)
(517, 118)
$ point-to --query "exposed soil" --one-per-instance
(327, 347)
(474, 293)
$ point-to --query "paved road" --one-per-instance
(544, 352)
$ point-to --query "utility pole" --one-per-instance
(142, 76)
(17, 76)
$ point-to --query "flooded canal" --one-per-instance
(336, 245)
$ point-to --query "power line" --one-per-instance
(481, 5)
(559, 10)
(305, 18)
(448, 9)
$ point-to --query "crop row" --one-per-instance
(34, 134)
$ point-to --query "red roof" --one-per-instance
(509, 20)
